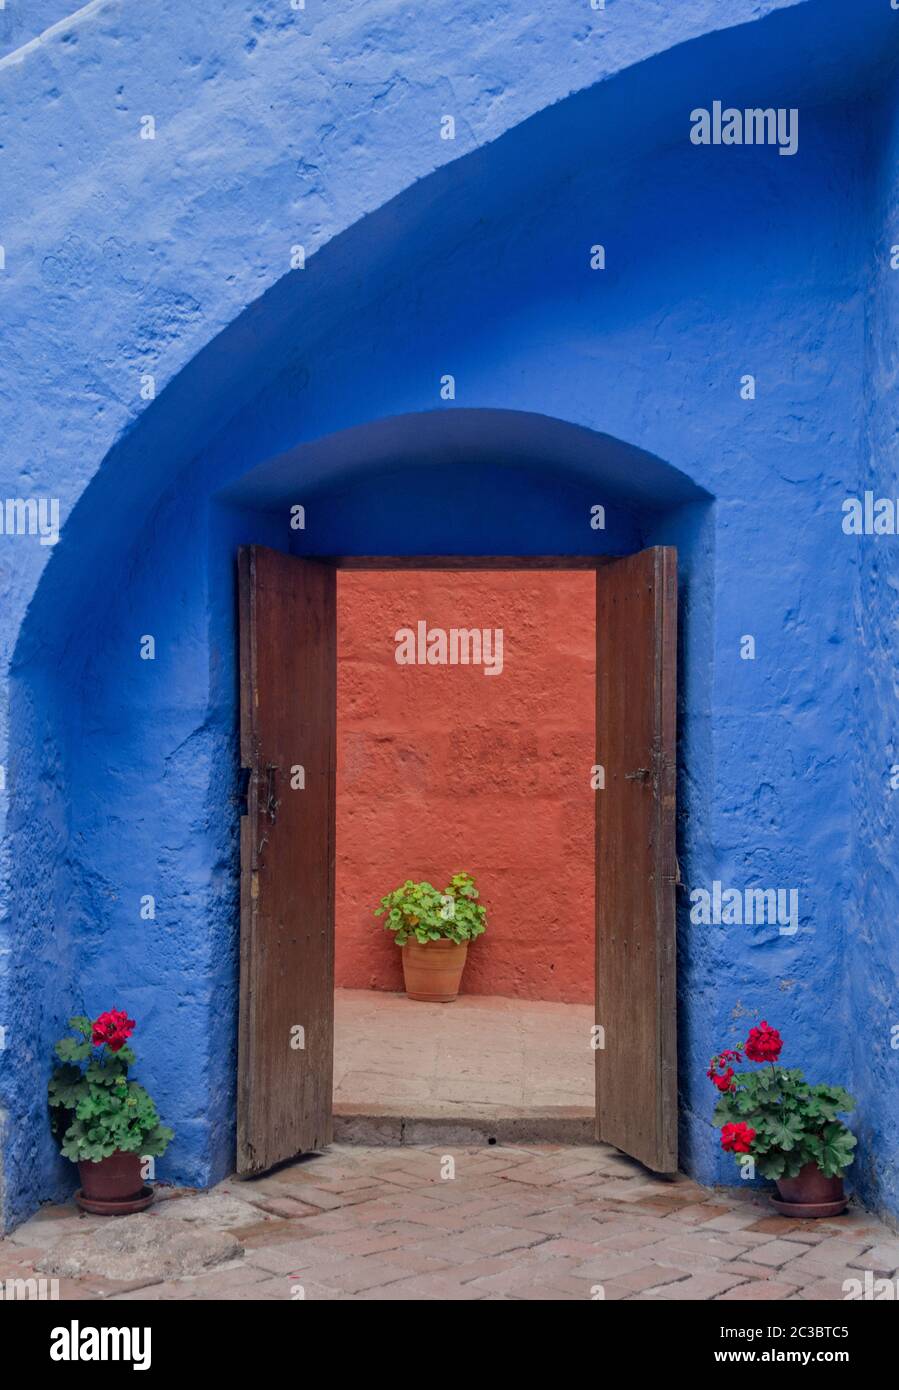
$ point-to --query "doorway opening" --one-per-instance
(289, 745)
(481, 764)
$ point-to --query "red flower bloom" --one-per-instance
(737, 1138)
(113, 1028)
(725, 1081)
(763, 1044)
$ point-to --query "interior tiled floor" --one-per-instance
(474, 1057)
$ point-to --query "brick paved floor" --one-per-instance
(473, 1057)
(511, 1223)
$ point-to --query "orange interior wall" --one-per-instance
(441, 769)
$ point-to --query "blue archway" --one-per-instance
(569, 384)
(152, 773)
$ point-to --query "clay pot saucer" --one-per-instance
(115, 1206)
(809, 1209)
(809, 1194)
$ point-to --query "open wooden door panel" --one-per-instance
(636, 661)
(288, 703)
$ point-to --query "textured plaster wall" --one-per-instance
(872, 958)
(22, 21)
(170, 258)
(443, 768)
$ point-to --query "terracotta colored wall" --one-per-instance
(445, 768)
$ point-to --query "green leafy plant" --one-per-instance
(417, 911)
(777, 1117)
(97, 1110)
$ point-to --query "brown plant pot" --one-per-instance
(809, 1194)
(113, 1186)
(433, 972)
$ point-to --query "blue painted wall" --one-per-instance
(872, 944)
(24, 21)
(322, 386)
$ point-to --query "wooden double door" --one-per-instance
(288, 734)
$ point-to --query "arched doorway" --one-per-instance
(149, 767)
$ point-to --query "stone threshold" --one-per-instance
(386, 1125)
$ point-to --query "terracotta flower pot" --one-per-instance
(113, 1186)
(433, 972)
(809, 1194)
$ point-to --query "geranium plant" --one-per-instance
(777, 1117)
(418, 911)
(101, 1112)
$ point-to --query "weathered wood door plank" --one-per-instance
(636, 670)
(288, 711)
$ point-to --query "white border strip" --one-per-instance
(18, 54)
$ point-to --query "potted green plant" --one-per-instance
(104, 1122)
(786, 1127)
(434, 929)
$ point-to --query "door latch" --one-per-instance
(271, 801)
(640, 775)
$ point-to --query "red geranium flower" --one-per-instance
(763, 1044)
(737, 1138)
(724, 1081)
(113, 1028)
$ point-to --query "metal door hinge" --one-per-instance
(271, 801)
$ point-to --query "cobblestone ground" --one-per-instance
(385, 1223)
